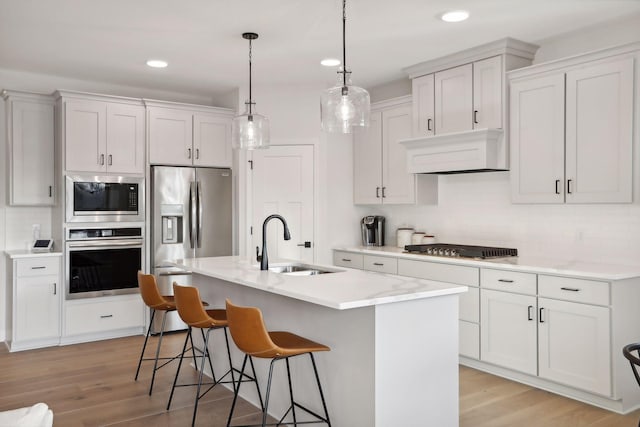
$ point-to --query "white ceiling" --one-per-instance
(110, 40)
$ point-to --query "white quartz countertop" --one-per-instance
(22, 253)
(345, 289)
(540, 265)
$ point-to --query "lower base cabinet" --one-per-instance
(574, 345)
(103, 315)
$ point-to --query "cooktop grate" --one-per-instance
(463, 251)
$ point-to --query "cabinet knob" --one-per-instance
(188, 153)
(429, 120)
(475, 117)
(110, 160)
(557, 186)
(377, 192)
(197, 153)
(50, 191)
(101, 159)
(383, 195)
(569, 186)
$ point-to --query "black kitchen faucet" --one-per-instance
(264, 259)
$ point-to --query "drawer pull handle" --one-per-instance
(379, 264)
(540, 315)
(529, 317)
(505, 280)
(55, 289)
(106, 316)
(346, 260)
(38, 268)
(570, 289)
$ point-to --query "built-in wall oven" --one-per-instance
(92, 198)
(103, 261)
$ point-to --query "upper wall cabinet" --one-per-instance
(102, 134)
(380, 169)
(463, 94)
(572, 128)
(30, 139)
(189, 135)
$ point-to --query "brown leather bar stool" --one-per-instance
(156, 302)
(252, 338)
(192, 313)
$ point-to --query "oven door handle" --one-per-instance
(118, 243)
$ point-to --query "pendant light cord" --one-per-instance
(250, 99)
(344, 46)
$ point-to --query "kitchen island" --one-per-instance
(394, 340)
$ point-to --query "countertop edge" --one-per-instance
(22, 253)
(587, 270)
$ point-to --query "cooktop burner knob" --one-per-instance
(454, 252)
(446, 252)
(440, 252)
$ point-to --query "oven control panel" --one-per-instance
(103, 233)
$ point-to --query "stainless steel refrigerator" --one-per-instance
(191, 217)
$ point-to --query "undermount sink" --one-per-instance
(299, 269)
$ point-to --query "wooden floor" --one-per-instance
(92, 385)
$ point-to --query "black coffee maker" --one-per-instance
(372, 230)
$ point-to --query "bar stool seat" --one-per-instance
(192, 313)
(156, 302)
(250, 335)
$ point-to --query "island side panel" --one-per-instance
(417, 363)
(347, 372)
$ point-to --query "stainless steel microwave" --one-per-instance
(92, 198)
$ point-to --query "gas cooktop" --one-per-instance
(463, 251)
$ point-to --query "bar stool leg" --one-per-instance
(226, 338)
(324, 404)
(266, 399)
(144, 346)
(206, 348)
(293, 405)
(175, 380)
(236, 390)
(205, 355)
(155, 363)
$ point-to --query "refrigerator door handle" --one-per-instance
(192, 214)
(199, 224)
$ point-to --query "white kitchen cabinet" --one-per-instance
(508, 330)
(488, 84)
(348, 259)
(575, 345)
(380, 264)
(36, 302)
(454, 99)
(572, 131)
(30, 142)
(103, 136)
(103, 316)
(424, 102)
(380, 164)
(188, 137)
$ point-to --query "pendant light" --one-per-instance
(250, 129)
(344, 108)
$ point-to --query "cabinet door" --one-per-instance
(600, 132)
(37, 308)
(170, 137)
(423, 106)
(85, 136)
(537, 140)
(367, 163)
(454, 99)
(487, 93)
(508, 332)
(398, 186)
(31, 146)
(574, 345)
(212, 140)
(125, 138)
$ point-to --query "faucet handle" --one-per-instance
(258, 256)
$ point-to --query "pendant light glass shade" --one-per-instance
(250, 130)
(344, 108)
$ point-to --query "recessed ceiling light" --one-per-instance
(455, 16)
(157, 63)
(330, 62)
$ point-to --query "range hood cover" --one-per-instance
(479, 150)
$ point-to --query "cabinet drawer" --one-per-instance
(509, 281)
(470, 305)
(458, 274)
(348, 259)
(575, 290)
(380, 264)
(43, 266)
(103, 316)
(469, 339)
